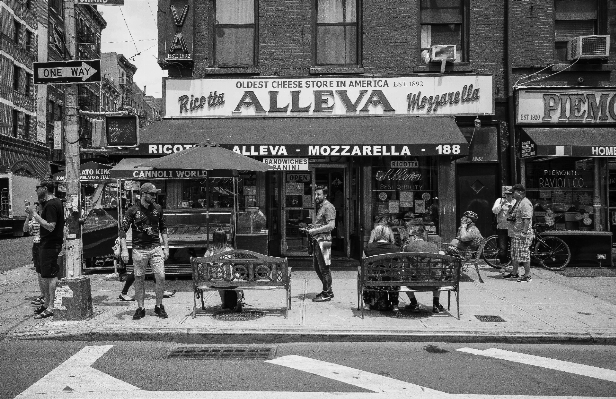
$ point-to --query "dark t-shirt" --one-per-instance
(53, 212)
(148, 223)
(379, 248)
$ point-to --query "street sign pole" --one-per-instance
(78, 304)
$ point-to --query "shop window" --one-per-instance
(235, 33)
(337, 28)
(403, 194)
(194, 193)
(573, 18)
(444, 22)
(561, 191)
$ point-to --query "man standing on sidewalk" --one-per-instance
(321, 240)
(520, 230)
(148, 226)
(501, 210)
(51, 221)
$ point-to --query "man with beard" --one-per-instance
(51, 221)
(148, 226)
(321, 240)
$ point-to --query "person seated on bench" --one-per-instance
(469, 237)
(231, 299)
(381, 242)
(416, 243)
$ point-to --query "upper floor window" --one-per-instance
(573, 18)
(235, 33)
(29, 40)
(16, 73)
(337, 32)
(57, 6)
(17, 31)
(444, 22)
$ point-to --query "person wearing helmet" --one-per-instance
(469, 236)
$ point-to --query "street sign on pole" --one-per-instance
(101, 2)
(77, 71)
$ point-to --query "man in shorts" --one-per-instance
(520, 218)
(51, 221)
(321, 240)
(148, 227)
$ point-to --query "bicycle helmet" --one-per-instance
(471, 215)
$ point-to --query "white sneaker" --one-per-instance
(124, 297)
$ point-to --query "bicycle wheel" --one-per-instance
(552, 252)
(490, 253)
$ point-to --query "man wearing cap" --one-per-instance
(520, 219)
(148, 226)
(51, 221)
(501, 209)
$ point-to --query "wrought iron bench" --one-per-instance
(239, 270)
(423, 271)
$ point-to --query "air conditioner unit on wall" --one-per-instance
(443, 51)
(588, 47)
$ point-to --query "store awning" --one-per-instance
(569, 141)
(314, 136)
(126, 168)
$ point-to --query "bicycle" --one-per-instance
(550, 252)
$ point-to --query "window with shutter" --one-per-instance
(235, 33)
(573, 18)
(336, 31)
(444, 22)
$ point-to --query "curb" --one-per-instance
(204, 336)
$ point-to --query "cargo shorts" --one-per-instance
(154, 256)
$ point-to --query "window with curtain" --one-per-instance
(235, 33)
(573, 18)
(444, 22)
(337, 32)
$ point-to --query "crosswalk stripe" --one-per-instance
(351, 376)
(560, 365)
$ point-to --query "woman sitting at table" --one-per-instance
(381, 242)
(416, 243)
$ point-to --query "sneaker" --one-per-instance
(331, 294)
(139, 314)
(437, 308)
(160, 312)
(40, 309)
(44, 314)
(168, 294)
(525, 278)
(38, 301)
(511, 275)
(413, 307)
(322, 297)
(124, 297)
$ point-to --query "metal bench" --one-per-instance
(239, 270)
(395, 272)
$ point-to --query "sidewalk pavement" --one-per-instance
(552, 308)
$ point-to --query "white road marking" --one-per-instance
(351, 376)
(76, 376)
(568, 367)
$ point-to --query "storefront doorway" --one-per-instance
(298, 208)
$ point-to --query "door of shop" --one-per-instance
(298, 209)
(477, 193)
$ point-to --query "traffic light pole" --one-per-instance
(73, 295)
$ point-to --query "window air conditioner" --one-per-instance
(588, 47)
(443, 51)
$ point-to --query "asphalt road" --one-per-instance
(14, 252)
(351, 368)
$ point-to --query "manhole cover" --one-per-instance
(221, 352)
(230, 315)
(490, 319)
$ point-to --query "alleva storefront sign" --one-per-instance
(434, 95)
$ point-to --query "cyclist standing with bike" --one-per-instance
(520, 218)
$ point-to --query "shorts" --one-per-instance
(520, 248)
(48, 260)
(36, 248)
(326, 250)
(154, 256)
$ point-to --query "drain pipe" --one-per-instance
(513, 174)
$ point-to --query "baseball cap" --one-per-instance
(48, 184)
(149, 188)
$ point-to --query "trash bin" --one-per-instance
(73, 299)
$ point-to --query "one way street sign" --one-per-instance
(77, 71)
